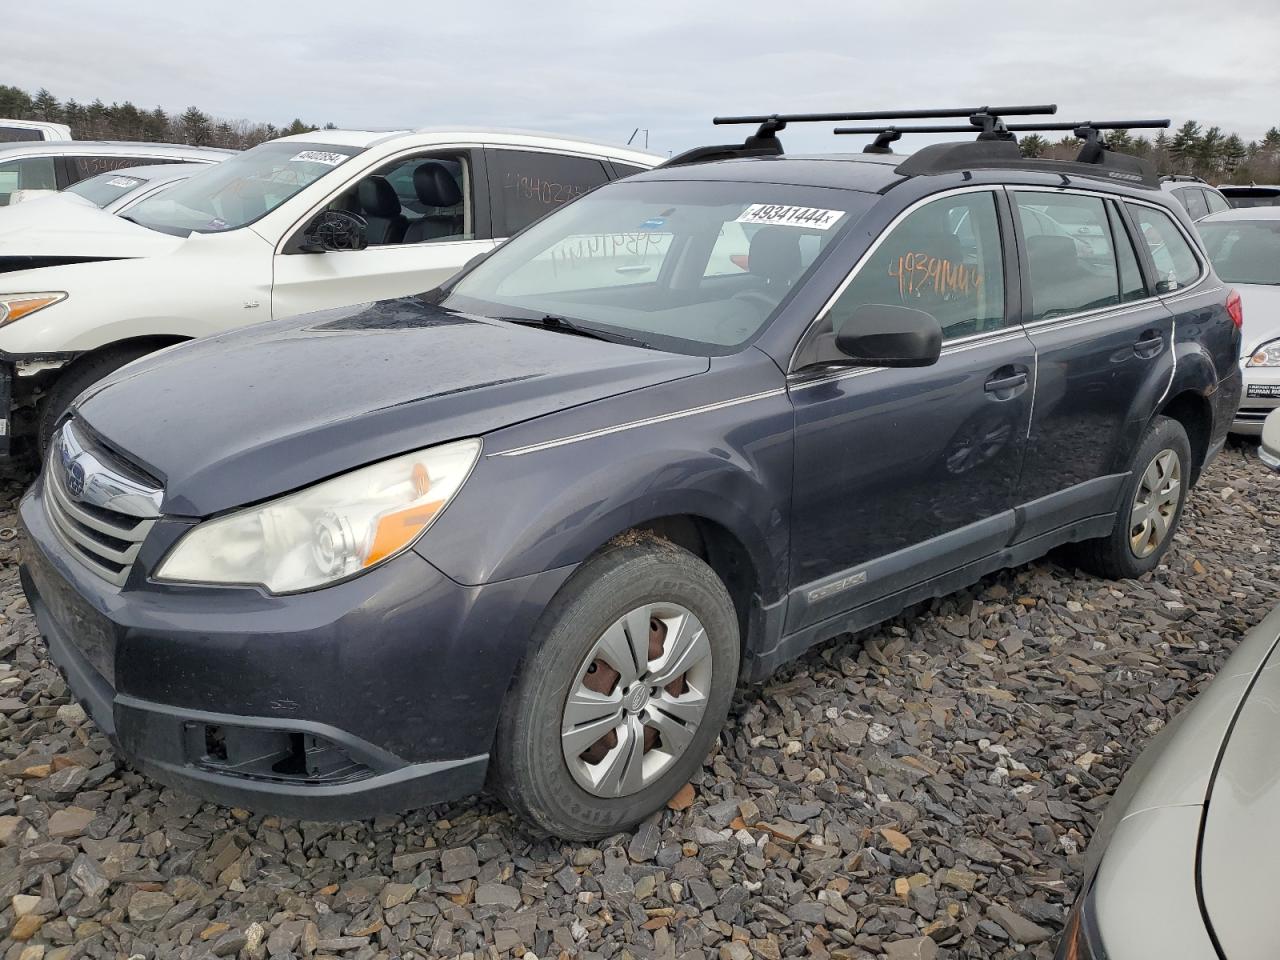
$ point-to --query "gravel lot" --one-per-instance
(925, 789)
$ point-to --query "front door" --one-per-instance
(1104, 348)
(427, 216)
(904, 474)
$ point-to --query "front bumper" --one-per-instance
(1261, 396)
(371, 696)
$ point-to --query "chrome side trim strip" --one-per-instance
(632, 424)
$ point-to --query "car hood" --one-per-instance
(1261, 314)
(247, 415)
(1241, 834)
(58, 227)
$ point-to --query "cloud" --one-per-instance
(602, 70)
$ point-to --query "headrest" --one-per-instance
(435, 185)
(775, 254)
(378, 198)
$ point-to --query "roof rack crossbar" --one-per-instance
(785, 118)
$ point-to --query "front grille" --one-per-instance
(1253, 414)
(101, 507)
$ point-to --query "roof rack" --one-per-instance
(1182, 178)
(765, 142)
(1093, 160)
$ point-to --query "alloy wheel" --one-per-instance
(1155, 503)
(637, 700)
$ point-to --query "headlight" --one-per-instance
(1080, 940)
(327, 532)
(1267, 355)
(15, 306)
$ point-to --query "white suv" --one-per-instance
(325, 219)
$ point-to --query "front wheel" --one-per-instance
(1150, 507)
(619, 703)
(75, 379)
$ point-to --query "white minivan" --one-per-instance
(324, 219)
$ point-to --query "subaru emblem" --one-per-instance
(75, 480)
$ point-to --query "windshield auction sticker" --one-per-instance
(318, 156)
(777, 214)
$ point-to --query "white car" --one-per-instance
(319, 220)
(1244, 245)
(118, 190)
(14, 131)
(37, 167)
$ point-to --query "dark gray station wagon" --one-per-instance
(534, 526)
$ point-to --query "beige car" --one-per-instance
(1182, 865)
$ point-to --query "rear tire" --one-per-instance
(655, 730)
(1150, 506)
(78, 377)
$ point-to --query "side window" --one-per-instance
(1217, 202)
(82, 168)
(19, 135)
(1132, 286)
(29, 173)
(625, 169)
(421, 199)
(1071, 262)
(525, 185)
(1176, 263)
(945, 259)
(1193, 199)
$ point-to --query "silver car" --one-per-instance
(1182, 863)
(1244, 245)
(117, 191)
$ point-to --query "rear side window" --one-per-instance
(526, 185)
(19, 135)
(625, 169)
(944, 259)
(1193, 199)
(84, 167)
(29, 173)
(1217, 202)
(1132, 285)
(1070, 256)
(1176, 263)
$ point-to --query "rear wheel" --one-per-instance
(624, 695)
(1151, 506)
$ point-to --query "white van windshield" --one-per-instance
(242, 189)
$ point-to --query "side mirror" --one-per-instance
(1269, 450)
(882, 335)
(335, 230)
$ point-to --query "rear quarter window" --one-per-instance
(1176, 263)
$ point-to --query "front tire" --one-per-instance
(80, 376)
(628, 685)
(1150, 506)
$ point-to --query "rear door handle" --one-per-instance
(1149, 344)
(1001, 384)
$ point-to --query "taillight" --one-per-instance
(1235, 309)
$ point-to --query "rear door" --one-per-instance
(1104, 353)
(417, 240)
(902, 475)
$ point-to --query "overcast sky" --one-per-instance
(601, 69)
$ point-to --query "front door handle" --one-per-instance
(1004, 384)
(1149, 344)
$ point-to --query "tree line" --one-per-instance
(1209, 153)
(125, 121)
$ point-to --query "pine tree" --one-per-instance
(1209, 154)
(1185, 146)
(195, 126)
(45, 106)
(1234, 153)
(1033, 145)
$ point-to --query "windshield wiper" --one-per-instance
(563, 325)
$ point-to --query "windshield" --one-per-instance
(1244, 251)
(692, 266)
(242, 189)
(105, 187)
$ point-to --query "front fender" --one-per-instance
(525, 512)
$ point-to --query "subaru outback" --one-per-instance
(532, 528)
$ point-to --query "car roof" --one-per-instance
(110, 148)
(866, 172)
(1229, 188)
(154, 171)
(1244, 213)
(490, 135)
